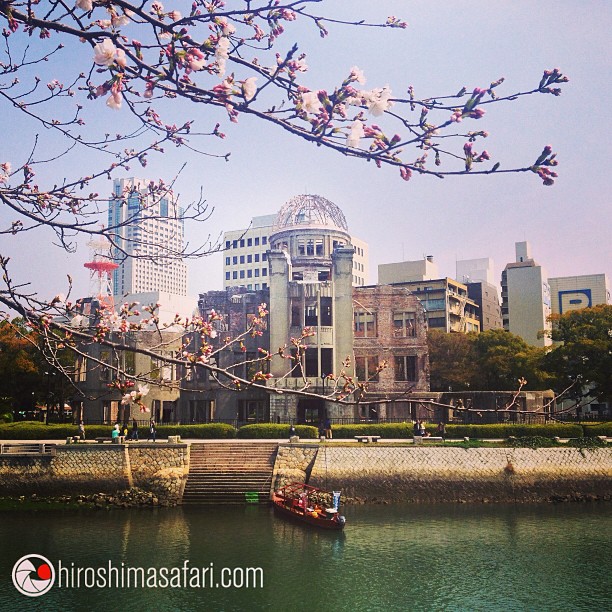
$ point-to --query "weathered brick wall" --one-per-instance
(447, 474)
(83, 469)
(385, 300)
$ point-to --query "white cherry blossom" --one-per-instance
(249, 88)
(355, 135)
(105, 53)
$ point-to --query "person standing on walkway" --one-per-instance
(328, 429)
(82, 430)
(134, 429)
(152, 430)
(442, 430)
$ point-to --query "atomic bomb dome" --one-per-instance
(309, 211)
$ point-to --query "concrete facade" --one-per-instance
(569, 293)
(526, 303)
(489, 309)
(407, 271)
(475, 270)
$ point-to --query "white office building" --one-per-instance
(577, 292)
(476, 270)
(149, 232)
(245, 260)
(526, 298)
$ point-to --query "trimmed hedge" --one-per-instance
(385, 430)
(275, 431)
(206, 431)
(505, 430)
(35, 430)
(598, 429)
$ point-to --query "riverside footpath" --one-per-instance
(383, 472)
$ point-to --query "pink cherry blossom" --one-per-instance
(114, 100)
(227, 28)
(5, 171)
(85, 5)
(195, 59)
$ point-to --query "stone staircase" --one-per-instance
(230, 473)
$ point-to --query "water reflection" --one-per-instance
(388, 557)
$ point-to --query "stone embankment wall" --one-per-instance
(83, 469)
(454, 474)
(294, 463)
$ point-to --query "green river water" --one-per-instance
(389, 557)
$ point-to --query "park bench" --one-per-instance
(367, 438)
(117, 440)
(420, 439)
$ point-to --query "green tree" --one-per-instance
(502, 358)
(451, 361)
(20, 371)
(586, 353)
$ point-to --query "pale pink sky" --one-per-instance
(445, 47)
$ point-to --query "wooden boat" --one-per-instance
(309, 505)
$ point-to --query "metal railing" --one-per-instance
(34, 448)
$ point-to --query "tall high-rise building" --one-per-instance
(245, 261)
(148, 230)
(526, 298)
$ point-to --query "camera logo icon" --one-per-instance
(33, 575)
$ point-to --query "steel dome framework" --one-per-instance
(310, 210)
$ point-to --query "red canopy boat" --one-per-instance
(309, 505)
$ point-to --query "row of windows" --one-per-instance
(235, 260)
(366, 324)
(246, 273)
(234, 244)
(404, 368)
